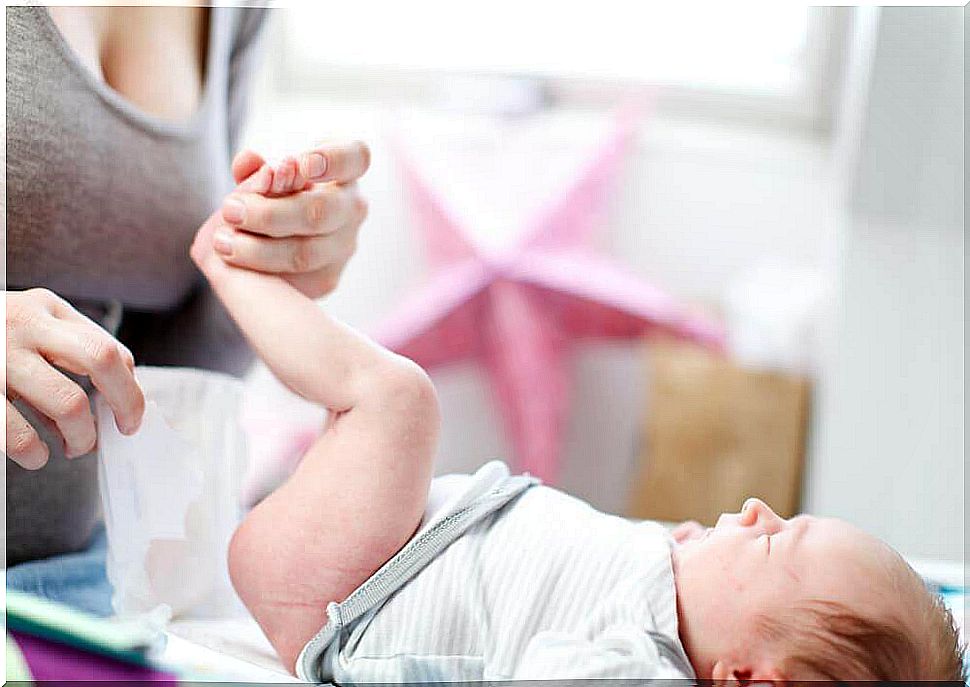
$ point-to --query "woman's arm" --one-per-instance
(360, 492)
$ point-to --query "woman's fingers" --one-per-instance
(281, 222)
(322, 209)
(21, 443)
(109, 365)
(340, 162)
(82, 326)
(288, 255)
(44, 331)
(57, 397)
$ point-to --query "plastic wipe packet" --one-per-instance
(171, 495)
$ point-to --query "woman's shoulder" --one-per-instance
(245, 25)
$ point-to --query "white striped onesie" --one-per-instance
(535, 585)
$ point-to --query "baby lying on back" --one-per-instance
(355, 575)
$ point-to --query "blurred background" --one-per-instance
(794, 173)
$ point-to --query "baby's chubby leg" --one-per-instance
(360, 492)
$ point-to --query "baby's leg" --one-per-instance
(360, 492)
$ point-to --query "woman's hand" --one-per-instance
(299, 220)
(44, 331)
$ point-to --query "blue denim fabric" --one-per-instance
(76, 579)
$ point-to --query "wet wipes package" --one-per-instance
(171, 495)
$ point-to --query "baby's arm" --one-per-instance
(360, 492)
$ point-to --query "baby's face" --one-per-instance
(755, 563)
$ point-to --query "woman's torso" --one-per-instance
(155, 57)
(103, 200)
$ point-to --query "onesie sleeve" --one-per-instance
(620, 651)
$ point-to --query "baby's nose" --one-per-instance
(727, 520)
(756, 511)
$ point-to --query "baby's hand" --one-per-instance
(253, 176)
(297, 219)
(269, 180)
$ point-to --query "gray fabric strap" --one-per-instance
(404, 565)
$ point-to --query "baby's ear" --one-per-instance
(765, 677)
(746, 673)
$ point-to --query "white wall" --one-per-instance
(699, 205)
(890, 447)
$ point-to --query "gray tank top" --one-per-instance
(103, 201)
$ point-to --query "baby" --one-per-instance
(361, 568)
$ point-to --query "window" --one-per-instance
(769, 59)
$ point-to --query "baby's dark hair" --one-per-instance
(835, 643)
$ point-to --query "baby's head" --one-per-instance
(764, 598)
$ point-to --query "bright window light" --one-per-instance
(727, 47)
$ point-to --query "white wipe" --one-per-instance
(153, 476)
(171, 494)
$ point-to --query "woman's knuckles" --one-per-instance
(305, 256)
(102, 355)
(26, 449)
(316, 208)
(71, 405)
(43, 297)
(20, 316)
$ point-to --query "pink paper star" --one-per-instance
(518, 312)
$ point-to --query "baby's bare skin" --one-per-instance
(359, 494)
(360, 491)
(299, 218)
(755, 564)
(276, 180)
